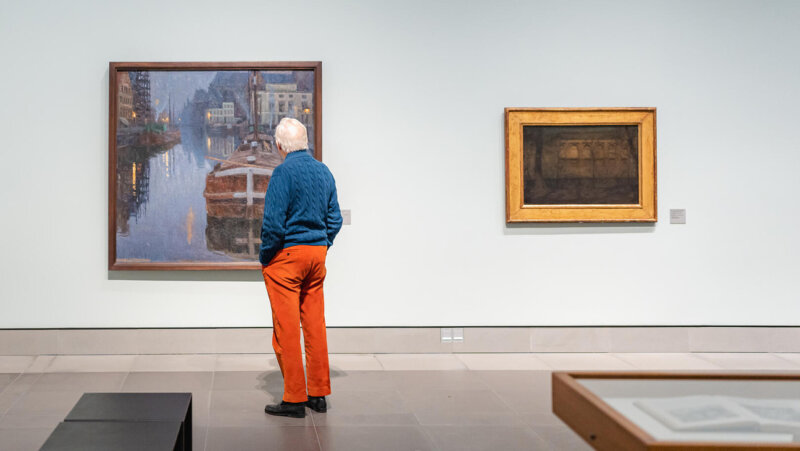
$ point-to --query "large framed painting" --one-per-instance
(191, 151)
(580, 165)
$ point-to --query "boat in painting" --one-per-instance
(236, 187)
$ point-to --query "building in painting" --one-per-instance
(589, 158)
(124, 99)
(222, 115)
(280, 100)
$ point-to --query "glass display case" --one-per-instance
(659, 411)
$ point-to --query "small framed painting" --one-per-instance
(580, 164)
(191, 151)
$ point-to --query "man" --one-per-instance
(301, 219)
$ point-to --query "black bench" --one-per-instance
(115, 435)
(130, 410)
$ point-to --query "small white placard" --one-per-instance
(346, 217)
(677, 216)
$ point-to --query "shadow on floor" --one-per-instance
(272, 381)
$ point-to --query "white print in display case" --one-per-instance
(710, 418)
(725, 413)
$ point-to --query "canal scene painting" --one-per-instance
(192, 150)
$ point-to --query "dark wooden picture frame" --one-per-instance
(599, 165)
(604, 428)
(115, 69)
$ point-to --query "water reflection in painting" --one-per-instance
(194, 154)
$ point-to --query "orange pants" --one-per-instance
(294, 280)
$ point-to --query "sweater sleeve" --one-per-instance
(334, 218)
(273, 226)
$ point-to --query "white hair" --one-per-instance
(291, 135)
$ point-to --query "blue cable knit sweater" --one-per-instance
(300, 206)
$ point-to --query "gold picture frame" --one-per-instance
(580, 165)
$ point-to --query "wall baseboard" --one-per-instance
(404, 340)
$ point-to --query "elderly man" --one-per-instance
(301, 219)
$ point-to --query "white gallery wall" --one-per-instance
(413, 98)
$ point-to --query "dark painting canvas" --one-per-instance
(194, 154)
(580, 164)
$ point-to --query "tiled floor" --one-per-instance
(385, 402)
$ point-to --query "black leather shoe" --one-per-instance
(287, 409)
(317, 404)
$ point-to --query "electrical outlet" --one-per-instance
(447, 334)
(458, 334)
(347, 217)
